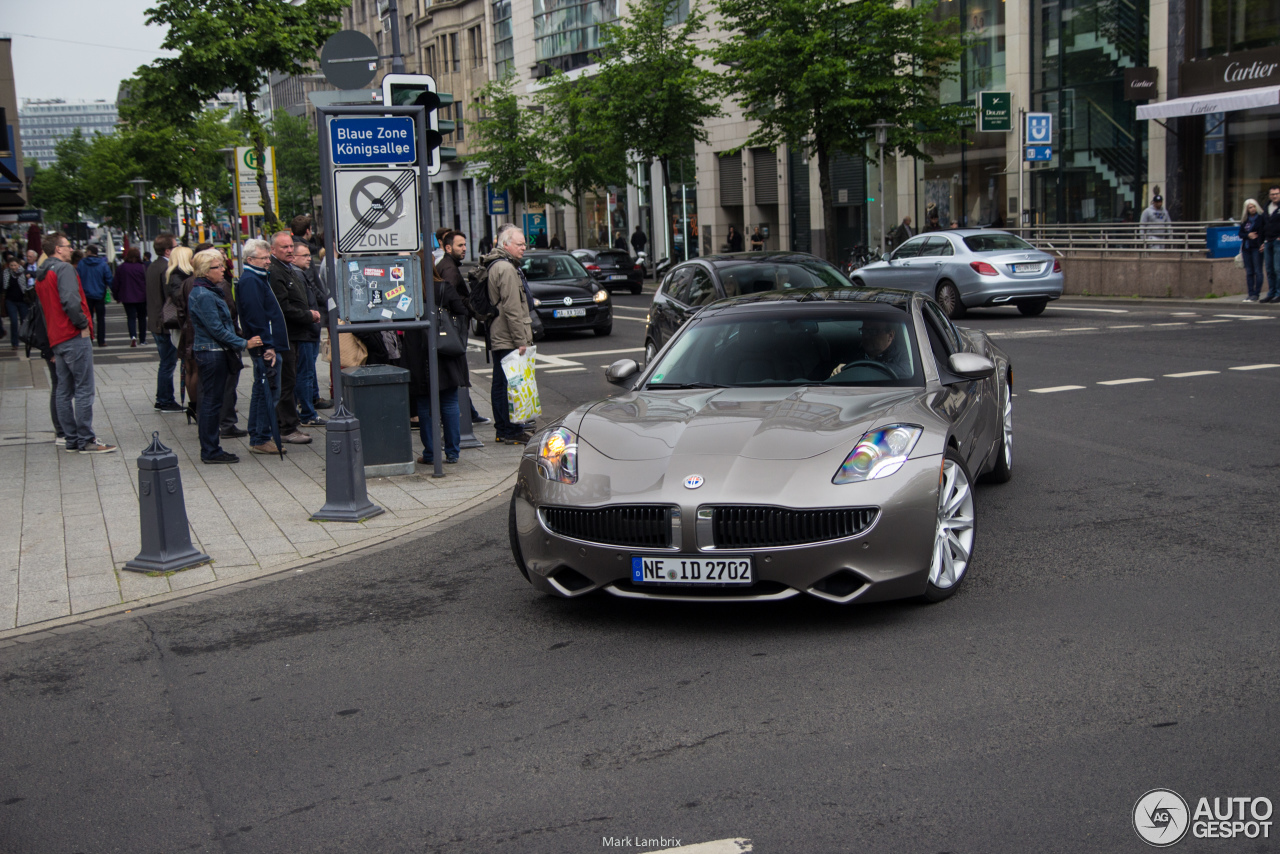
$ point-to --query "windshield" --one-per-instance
(755, 277)
(539, 268)
(842, 348)
(996, 242)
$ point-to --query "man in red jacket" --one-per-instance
(66, 318)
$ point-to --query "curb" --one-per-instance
(97, 618)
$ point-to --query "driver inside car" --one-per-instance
(880, 345)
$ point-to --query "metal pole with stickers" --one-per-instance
(377, 216)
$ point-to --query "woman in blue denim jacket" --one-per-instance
(215, 342)
(1252, 223)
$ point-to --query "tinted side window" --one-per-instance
(910, 249)
(701, 289)
(938, 322)
(938, 246)
(677, 286)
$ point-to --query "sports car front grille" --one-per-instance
(638, 526)
(747, 526)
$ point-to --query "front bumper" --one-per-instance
(888, 560)
(598, 314)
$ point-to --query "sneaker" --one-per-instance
(266, 448)
(518, 439)
(480, 419)
(297, 438)
(233, 433)
(450, 460)
(97, 447)
(323, 404)
(315, 422)
(59, 440)
(1250, 299)
(172, 406)
(1268, 298)
(72, 449)
(133, 342)
(221, 457)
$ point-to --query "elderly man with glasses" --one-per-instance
(260, 315)
(511, 329)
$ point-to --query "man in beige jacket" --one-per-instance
(511, 329)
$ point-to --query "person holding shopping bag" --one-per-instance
(511, 329)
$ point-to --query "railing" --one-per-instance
(1175, 238)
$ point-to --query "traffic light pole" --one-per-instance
(397, 58)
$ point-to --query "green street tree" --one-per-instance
(507, 149)
(232, 46)
(297, 164)
(60, 189)
(652, 73)
(584, 152)
(816, 74)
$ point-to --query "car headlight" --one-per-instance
(601, 295)
(879, 453)
(536, 302)
(558, 456)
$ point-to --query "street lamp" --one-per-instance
(128, 200)
(139, 184)
(882, 139)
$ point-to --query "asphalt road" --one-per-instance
(1117, 633)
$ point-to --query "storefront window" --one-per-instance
(503, 42)
(1224, 26)
(569, 28)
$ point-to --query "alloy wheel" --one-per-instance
(1008, 428)
(953, 543)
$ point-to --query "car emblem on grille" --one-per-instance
(568, 300)
(693, 481)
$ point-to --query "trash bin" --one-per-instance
(379, 396)
(1223, 241)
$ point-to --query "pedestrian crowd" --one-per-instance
(1260, 247)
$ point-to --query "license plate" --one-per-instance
(1026, 268)
(570, 312)
(621, 278)
(683, 570)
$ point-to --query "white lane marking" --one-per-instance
(1029, 331)
(737, 845)
(1213, 321)
(624, 317)
(1245, 316)
(1183, 314)
(1176, 323)
(1055, 388)
(1127, 381)
(1077, 308)
(1193, 374)
(564, 371)
(1252, 367)
(1080, 329)
(600, 352)
(1130, 326)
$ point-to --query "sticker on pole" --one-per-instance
(377, 210)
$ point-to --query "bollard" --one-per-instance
(166, 539)
(467, 430)
(345, 495)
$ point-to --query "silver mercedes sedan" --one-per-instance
(969, 267)
(818, 442)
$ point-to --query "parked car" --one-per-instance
(969, 267)
(565, 295)
(613, 267)
(701, 281)
(817, 442)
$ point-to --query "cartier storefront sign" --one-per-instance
(1140, 83)
(1247, 69)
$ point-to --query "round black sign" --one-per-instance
(349, 59)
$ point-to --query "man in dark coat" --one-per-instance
(157, 293)
(308, 387)
(638, 240)
(454, 244)
(300, 320)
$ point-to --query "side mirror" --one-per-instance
(886, 257)
(971, 366)
(624, 369)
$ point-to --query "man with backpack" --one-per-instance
(500, 294)
(70, 331)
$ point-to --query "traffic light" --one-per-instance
(402, 90)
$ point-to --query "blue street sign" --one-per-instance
(1039, 152)
(374, 140)
(498, 202)
(1039, 128)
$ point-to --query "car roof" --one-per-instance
(963, 232)
(783, 299)
(776, 256)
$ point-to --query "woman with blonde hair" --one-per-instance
(1252, 223)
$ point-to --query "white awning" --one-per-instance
(1222, 102)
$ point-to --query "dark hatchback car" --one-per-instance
(566, 297)
(702, 281)
(614, 267)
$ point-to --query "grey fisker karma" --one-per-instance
(969, 268)
(820, 442)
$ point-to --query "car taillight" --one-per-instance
(593, 268)
(637, 267)
(982, 268)
(1057, 265)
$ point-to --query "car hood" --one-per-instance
(550, 289)
(756, 423)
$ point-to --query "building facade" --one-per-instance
(45, 122)
(13, 182)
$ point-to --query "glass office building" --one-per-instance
(43, 123)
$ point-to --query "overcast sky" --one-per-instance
(80, 54)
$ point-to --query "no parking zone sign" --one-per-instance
(377, 210)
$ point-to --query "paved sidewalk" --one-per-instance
(69, 522)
